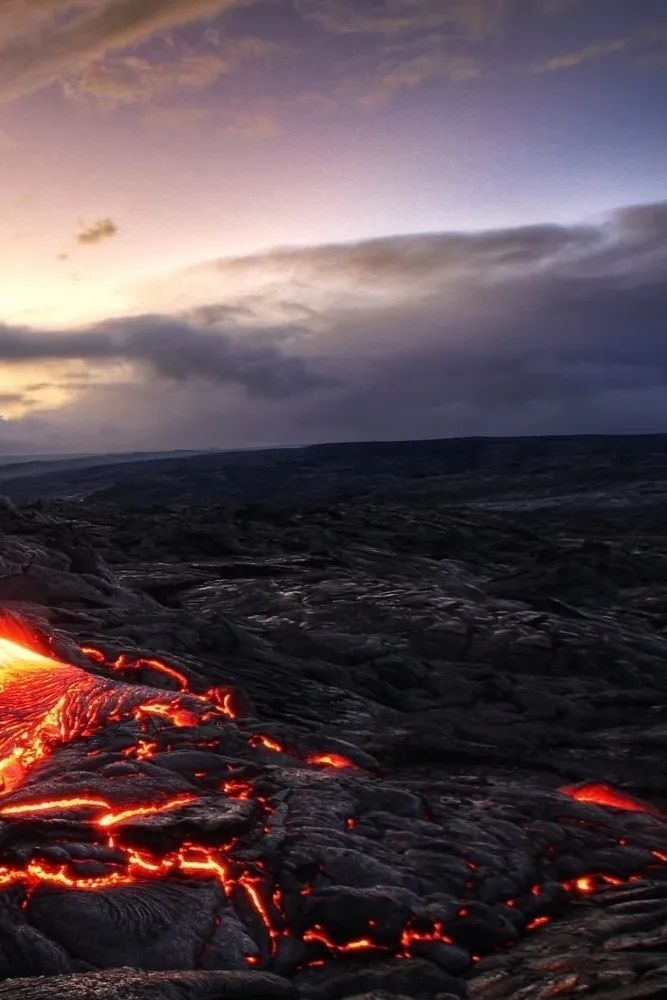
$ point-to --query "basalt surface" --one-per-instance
(385, 747)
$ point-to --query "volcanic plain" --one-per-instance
(348, 721)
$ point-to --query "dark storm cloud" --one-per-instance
(540, 328)
(543, 329)
(170, 348)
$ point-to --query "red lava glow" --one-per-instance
(587, 884)
(268, 744)
(604, 795)
(537, 922)
(123, 664)
(437, 933)
(113, 818)
(54, 805)
(318, 934)
(250, 885)
(330, 760)
(178, 716)
(187, 860)
(45, 703)
(142, 749)
(42, 703)
(106, 819)
(237, 790)
(219, 700)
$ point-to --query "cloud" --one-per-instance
(7, 142)
(645, 46)
(124, 80)
(412, 264)
(473, 18)
(568, 60)
(169, 348)
(531, 330)
(103, 229)
(173, 119)
(254, 125)
(132, 80)
(411, 73)
(409, 42)
(61, 37)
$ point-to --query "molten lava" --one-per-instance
(123, 664)
(45, 703)
(537, 922)
(329, 760)
(41, 704)
(604, 795)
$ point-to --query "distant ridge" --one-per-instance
(489, 471)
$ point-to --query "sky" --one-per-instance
(230, 223)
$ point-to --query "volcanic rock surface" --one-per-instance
(385, 746)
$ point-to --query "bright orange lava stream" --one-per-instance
(45, 703)
(40, 702)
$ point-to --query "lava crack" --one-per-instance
(45, 703)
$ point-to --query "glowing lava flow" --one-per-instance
(123, 663)
(330, 760)
(216, 699)
(45, 702)
(189, 859)
(604, 795)
(38, 706)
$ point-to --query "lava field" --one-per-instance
(385, 747)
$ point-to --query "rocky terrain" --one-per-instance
(402, 737)
(459, 470)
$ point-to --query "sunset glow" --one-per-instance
(155, 156)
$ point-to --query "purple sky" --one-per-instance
(156, 154)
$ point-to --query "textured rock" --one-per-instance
(383, 698)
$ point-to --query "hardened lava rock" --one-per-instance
(335, 763)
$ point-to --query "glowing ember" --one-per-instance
(537, 922)
(318, 934)
(268, 744)
(437, 933)
(604, 795)
(33, 808)
(585, 885)
(330, 760)
(113, 818)
(122, 664)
